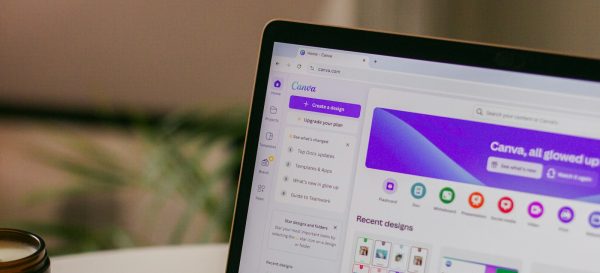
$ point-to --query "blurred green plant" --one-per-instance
(177, 163)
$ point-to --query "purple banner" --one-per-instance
(485, 154)
(325, 106)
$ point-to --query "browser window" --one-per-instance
(371, 163)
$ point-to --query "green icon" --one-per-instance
(447, 195)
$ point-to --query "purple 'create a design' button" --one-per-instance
(325, 106)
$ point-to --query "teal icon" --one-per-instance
(418, 190)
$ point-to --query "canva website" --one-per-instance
(370, 164)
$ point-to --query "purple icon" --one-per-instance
(389, 185)
(566, 214)
(277, 84)
(302, 52)
(536, 209)
(595, 219)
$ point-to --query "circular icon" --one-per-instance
(447, 195)
(302, 52)
(506, 204)
(595, 219)
(535, 209)
(418, 190)
(566, 214)
(389, 185)
(476, 200)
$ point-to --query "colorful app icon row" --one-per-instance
(505, 204)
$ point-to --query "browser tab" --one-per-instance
(333, 57)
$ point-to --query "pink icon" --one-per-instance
(536, 209)
(506, 204)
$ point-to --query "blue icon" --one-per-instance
(389, 185)
(448, 263)
(302, 52)
(566, 214)
(418, 190)
(595, 219)
(277, 84)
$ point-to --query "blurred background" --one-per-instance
(122, 122)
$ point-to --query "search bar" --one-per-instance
(516, 116)
(529, 119)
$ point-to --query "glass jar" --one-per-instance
(22, 252)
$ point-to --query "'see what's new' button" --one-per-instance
(515, 167)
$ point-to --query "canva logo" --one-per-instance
(299, 86)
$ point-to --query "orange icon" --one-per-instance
(476, 200)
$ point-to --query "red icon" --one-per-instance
(476, 200)
(506, 204)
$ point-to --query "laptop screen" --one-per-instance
(371, 163)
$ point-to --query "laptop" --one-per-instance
(382, 153)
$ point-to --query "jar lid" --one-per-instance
(22, 252)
